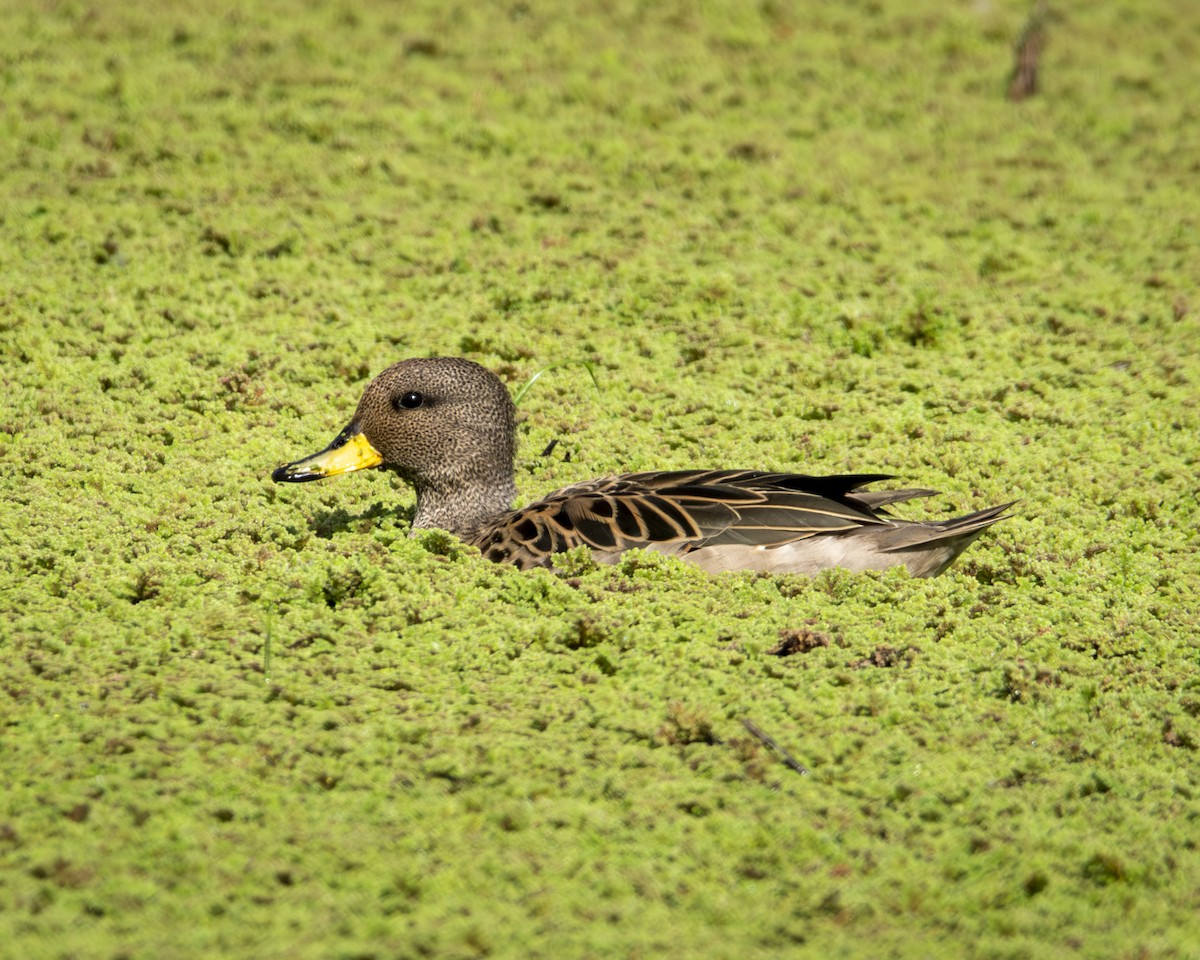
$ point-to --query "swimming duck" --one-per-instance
(448, 427)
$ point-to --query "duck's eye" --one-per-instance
(410, 400)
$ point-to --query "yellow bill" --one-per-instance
(349, 451)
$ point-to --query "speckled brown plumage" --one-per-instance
(448, 427)
(456, 448)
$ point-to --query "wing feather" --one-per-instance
(683, 511)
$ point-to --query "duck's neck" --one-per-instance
(463, 507)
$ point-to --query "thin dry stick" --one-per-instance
(1024, 80)
(266, 664)
(771, 742)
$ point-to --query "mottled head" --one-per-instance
(439, 419)
(444, 424)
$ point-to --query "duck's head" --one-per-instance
(444, 424)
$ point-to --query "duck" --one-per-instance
(448, 427)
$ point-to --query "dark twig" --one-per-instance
(1024, 80)
(771, 742)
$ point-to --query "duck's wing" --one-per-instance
(682, 511)
(875, 499)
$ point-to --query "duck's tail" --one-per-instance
(931, 546)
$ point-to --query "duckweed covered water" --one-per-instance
(242, 719)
